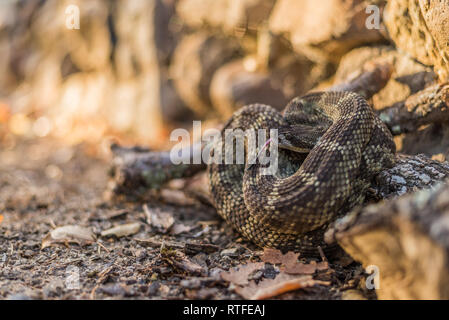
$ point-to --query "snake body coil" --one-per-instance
(291, 209)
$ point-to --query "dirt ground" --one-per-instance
(44, 185)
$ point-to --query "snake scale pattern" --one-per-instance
(291, 209)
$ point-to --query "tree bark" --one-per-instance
(406, 239)
(430, 105)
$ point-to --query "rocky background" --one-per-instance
(138, 69)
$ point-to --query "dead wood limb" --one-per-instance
(430, 105)
(409, 174)
(406, 239)
(136, 170)
(372, 79)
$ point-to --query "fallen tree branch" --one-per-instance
(406, 240)
(373, 78)
(136, 170)
(430, 105)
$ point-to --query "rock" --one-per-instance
(408, 75)
(245, 81)
(234, 86)
(428, 106)
(431, 140)
(436, 15)
(353, 294)
(195, 61)
(231, 252)
(419, 27)
(54, 288)
(228, 15)
(123, 230)
(18, 296)
(324, 32)
(173, 108)
(166, 35)
(115, 289)
(69, 234)
(194, 283)
(8, 19)
(135, 104)
(405, 241)
(197, 13)
(153, 288)
(110, 75)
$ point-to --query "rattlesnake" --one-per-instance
(331, 146)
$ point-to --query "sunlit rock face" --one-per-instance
(100, 74)
(421, 28)
(83, 70)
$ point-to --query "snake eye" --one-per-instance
(296, 103)
(300, 104)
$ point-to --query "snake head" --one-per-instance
(299, 137)
(305, 123)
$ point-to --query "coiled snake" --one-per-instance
(331, 145)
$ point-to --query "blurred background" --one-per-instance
(136, 69)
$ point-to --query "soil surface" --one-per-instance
(45, 185)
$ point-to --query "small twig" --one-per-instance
(100, 245)
(103, 276)
(323, 257)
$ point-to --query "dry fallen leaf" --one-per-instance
(68, 234)
(162, 221)
(268, 288)
(275, 256)
(122, 230)
(1, 218)
(176, 197)
(176, 184)
(239, 275)
(290, 264)
(179, 228)
(306, 268)
(115, 214)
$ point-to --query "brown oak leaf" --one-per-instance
(268, 288)
(290, 264)
(239, 275)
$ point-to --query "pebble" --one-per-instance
(154, 288)
(19, 296)
(232, 252)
